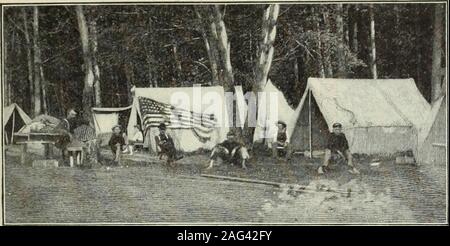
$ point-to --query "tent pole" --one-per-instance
(310, 124)
(13, 124)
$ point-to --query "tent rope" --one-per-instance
(353, 117)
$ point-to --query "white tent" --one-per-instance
(212, 100)
(272, 106)
(381, 116)
(433, 137)
(14, 118)
(106, 118)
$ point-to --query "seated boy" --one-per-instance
(231, 151)
(166, 145)
(280, 141)
(117, 142)
(337, 149)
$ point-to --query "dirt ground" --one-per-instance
(144, 190)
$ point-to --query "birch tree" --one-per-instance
(326, 52)
(88, 90)
(354, 41)
(38, 109)
(28, 48)
(207, 29)
(341, 71)
(95, 68)
(219, 33)
(6, 76)
(437, 72)
(373, 54)
(266, 49)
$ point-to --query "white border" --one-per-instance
(182, 2)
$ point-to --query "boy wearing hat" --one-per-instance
(337, 149)
(165, 143)
(280, 140)
(231, 151)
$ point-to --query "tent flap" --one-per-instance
(380, 116)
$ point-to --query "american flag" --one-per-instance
(154, 113)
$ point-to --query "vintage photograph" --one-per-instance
(207, 113)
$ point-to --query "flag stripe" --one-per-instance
(155, 113)
(184, 120)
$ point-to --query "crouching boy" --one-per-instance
(166, 146)
(230, 151)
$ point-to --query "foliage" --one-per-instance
(162, 45)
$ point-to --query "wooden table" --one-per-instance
(48, 151)
(36, 137)
(46, 139)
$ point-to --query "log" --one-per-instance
(242, 180)
(294, 187)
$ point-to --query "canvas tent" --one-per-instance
(272, 106)
(185, 140)
(106, 118)
(382, 116)
(433, 138)
(14, 118)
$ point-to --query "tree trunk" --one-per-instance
(347, 25)
(37, 64)
(395, 46)
(353, 20)
(220, 33)
(373, 56)
(265, 55)
(7, 78)
(88, 90)
(320, 63)
(327, 49)
(7, 89)
(149, 71)
(29, 54)
(178, 64)
(210, 47)
(95, 67)
(355, 37)
(296, 73)
(268, 33)
(341, 73)
(129, 74)
(44, 90)
(436, 70)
